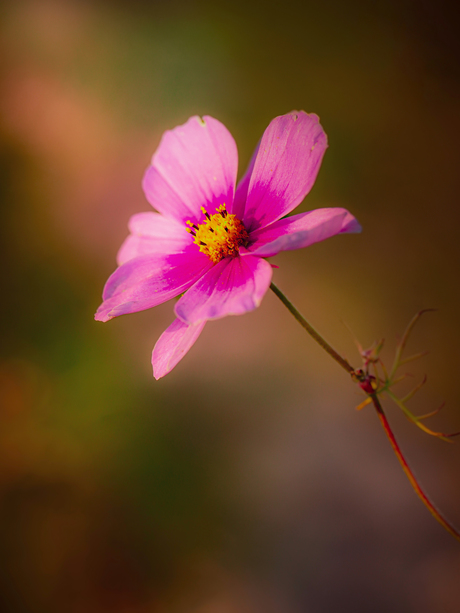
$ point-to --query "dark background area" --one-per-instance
(244, 481)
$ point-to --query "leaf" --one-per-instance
(413, 357)
(364, 403)
(402, 343)
(412, 393)
(417, 420)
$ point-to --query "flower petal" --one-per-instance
(195, 165)
(149, 280)
(288, 161)
(241, 193)
(153, 233)
(172, 345)
(302, 231)
(232, 287)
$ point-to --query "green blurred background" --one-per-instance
(245, 481)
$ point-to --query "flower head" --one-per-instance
(208, 240)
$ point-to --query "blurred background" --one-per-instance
(245, 481)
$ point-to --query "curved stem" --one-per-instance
(311, 331)
(409, 474)
(372, 397)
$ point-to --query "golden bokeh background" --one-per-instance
(244, 481)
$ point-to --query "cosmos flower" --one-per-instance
(208, 242)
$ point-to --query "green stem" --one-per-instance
(312, 332)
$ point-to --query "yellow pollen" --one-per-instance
(220, 235)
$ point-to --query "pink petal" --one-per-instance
(153, 233)
(172, 345)
(302, 231)
(232, 287)
(288, 161)
(239, 203)
(350, 225)
(149, 280)
(195, 165)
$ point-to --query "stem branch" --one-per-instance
(363, 380)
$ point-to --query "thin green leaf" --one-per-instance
(412, 393)
(433, 413)
(411, 417)
(413, 357)
(402, 343)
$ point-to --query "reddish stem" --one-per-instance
(410, 475)
(367, 383)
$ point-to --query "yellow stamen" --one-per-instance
(220, 235)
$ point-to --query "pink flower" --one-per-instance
(209, 239)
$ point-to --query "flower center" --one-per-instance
(220, 235)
